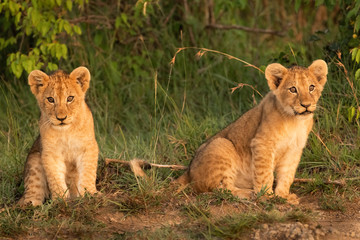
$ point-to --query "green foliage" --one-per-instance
(34, 33)
(353, 21)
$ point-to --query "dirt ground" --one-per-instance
(329, 225)
(325, 224)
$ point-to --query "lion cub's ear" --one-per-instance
(37, 79)
(320, 70)
(274, 74)
(82, 77)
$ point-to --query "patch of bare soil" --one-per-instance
(329, 225)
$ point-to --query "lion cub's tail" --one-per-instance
(183, 179)
(182, 182)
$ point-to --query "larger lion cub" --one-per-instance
(63, 160)
(269, 138)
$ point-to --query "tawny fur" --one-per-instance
(63, 160)
(268, 138)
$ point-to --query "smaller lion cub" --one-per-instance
(63, 160)
(268, 138)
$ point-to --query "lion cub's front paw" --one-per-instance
(27, 202)
(292, 199)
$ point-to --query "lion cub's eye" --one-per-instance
(70, 98)
(50, 99)
(311, 88)
(293, 90)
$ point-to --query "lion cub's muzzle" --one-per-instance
(305, 109)
(61, 121)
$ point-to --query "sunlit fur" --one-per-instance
(63, 160)
(268, 138)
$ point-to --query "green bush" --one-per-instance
(34, 34)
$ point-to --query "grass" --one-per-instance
(146, 108)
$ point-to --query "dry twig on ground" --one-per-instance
(137, 166)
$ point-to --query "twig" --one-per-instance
(145, 164)
(341, 182)
(136, 166)
(247, 29)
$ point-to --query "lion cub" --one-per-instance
(270, 137)
(63, 160)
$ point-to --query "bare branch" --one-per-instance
(336, 182)
(137, 165)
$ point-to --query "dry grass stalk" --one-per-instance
(202, 51)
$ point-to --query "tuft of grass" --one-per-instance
(57, 218)
(332, 202)
(235, 226)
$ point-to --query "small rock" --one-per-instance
(352, 234)
(333, 231)
(265, 226)
(295, 232)
(257, 235)
(319, 232)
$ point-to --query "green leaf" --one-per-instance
(52, 66)
(61, 25)
(67, 27)
(354, 53)
(357, 74)
(17, 18)
(64, 51)
(117, 22)
(44, 28)
(77, 29)
(35, 18)
(357, 23)
(353, 11)
(43, 49)
(358, 57)
(28, 65)
(13, 7)
(58, 51)
(36, 52)
(58, 2)
(124, 18)
(69, 4)
(351, 113)
(16, 68)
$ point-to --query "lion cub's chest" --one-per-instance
(292, 136)
(69, 147)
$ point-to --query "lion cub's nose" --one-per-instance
(305, 105)
(61, 119)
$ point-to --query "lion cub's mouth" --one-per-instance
(306, 112)
(61, 125)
